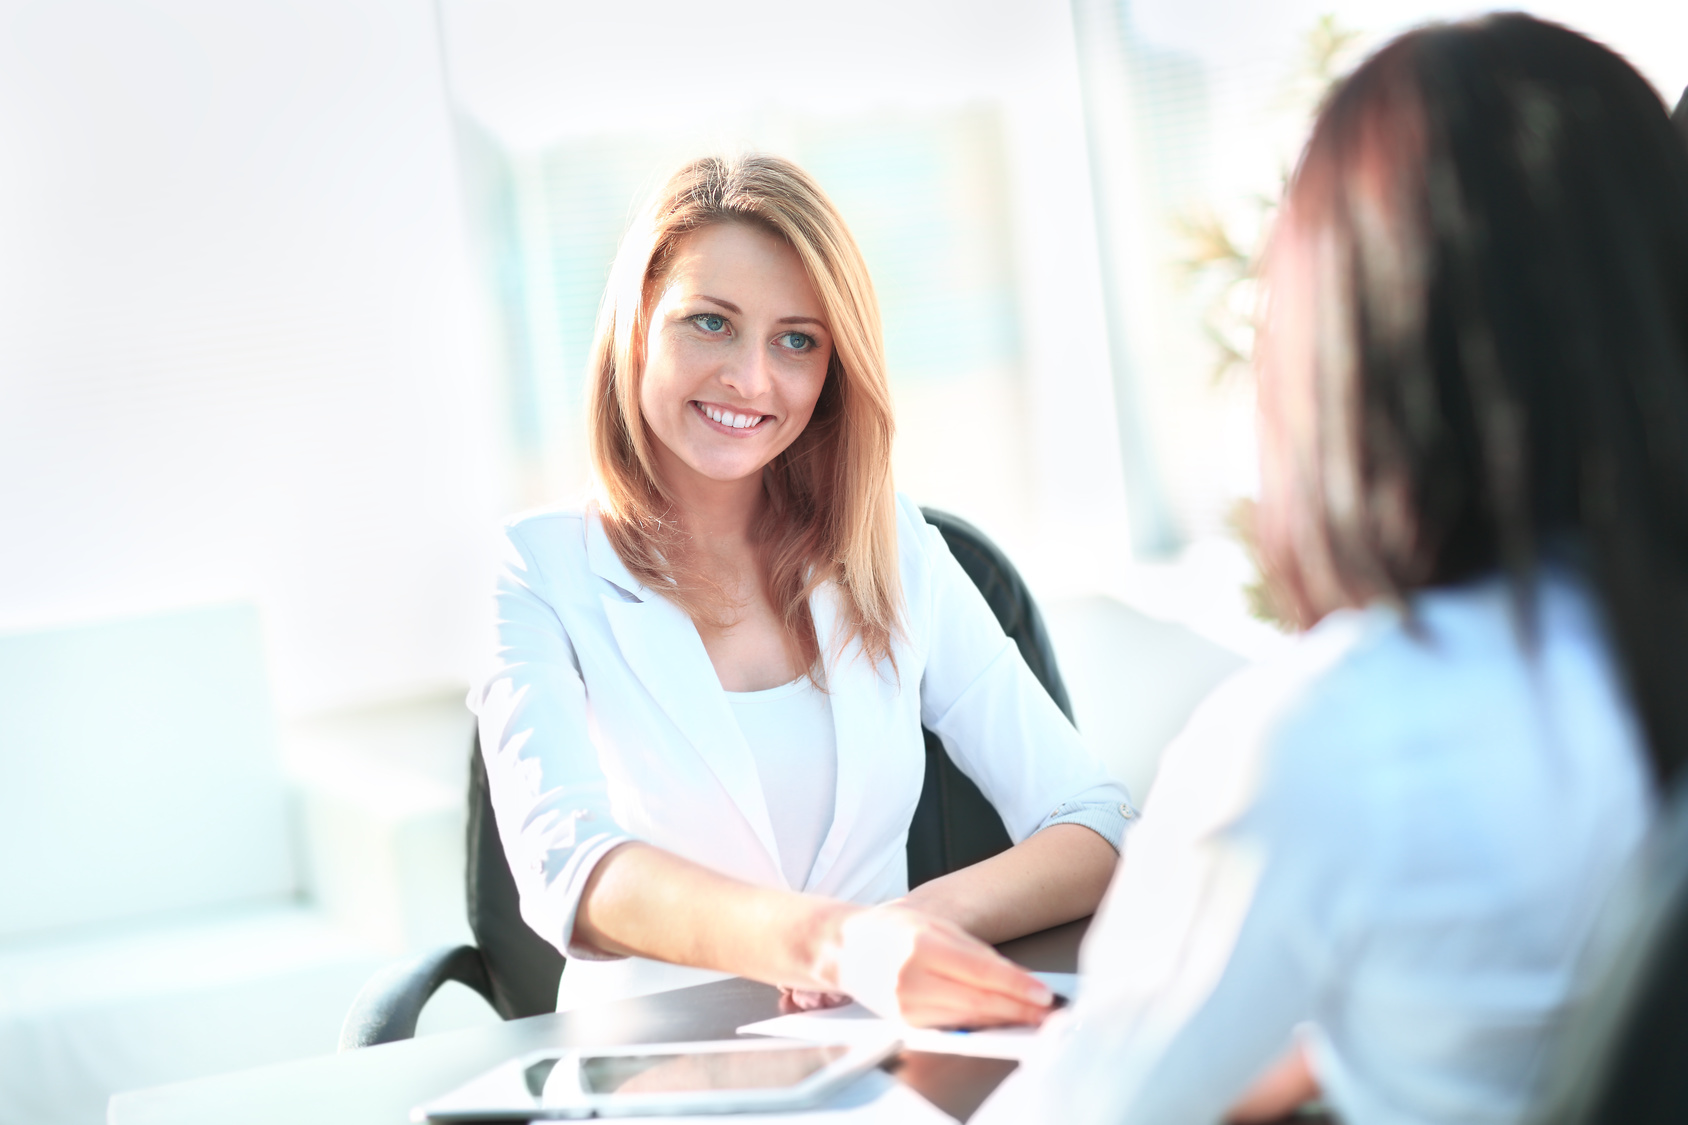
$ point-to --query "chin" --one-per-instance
(726, 473)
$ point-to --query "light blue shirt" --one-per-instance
(1395, 839)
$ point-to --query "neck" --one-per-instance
(717, 515)
(721, 515)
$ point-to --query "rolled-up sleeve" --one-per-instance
(1106, 817)
(548, 789)
(997, 722)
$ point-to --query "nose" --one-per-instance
(750, 373)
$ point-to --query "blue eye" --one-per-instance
(709, 322)
(798, 342)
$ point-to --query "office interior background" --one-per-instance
(295, 300)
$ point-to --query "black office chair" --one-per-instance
(517, 971)
(1623, 1056)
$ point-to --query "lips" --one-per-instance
(727, 418)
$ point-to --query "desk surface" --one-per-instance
(378, 1085)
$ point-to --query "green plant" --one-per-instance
(1223, 258)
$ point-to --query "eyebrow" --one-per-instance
(732, 308)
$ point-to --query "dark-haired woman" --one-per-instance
(1367, 870)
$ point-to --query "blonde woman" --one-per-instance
(702, 729)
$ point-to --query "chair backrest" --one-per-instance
(523, 967)
(954, 825)
(1622, 1058)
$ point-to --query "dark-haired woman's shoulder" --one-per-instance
(1217, 767)
(1458, 687)
(1436, 727)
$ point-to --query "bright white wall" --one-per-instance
(237, 357)
(232, 332)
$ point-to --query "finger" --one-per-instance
(809, 1000)
(978, 1010)
(933, 999)
(992, 1009)
(949, 962)
(978, 966)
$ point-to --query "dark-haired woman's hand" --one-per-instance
(1287, 1085)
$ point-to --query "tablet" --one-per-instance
(720, 1076)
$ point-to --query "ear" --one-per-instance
(1679, 116)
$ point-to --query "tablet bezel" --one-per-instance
(468, 1102)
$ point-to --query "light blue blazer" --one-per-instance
(602, 720)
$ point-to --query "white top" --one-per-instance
(789, 731)
(602, 720)
(1399, 840)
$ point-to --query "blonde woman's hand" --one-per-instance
(904, 964)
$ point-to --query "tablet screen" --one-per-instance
(715, 1076)
(691, 1072)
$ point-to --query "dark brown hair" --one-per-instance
(1495, 214)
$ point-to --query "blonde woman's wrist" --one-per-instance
(821, 942)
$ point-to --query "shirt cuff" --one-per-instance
(1108, 819)
(571, 884)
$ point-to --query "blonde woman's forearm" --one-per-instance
(1054, 876)
(645, 902)
(897, 960)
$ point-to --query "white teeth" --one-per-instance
(728, 418)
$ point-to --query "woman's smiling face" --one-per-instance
(736, 356)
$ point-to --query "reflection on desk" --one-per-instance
(378, 1085)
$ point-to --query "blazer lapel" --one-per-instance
(662, 647)
(857, 688)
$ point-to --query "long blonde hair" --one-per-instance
(831, 512)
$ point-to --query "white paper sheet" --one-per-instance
(875, 1097)
(855, 1024)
